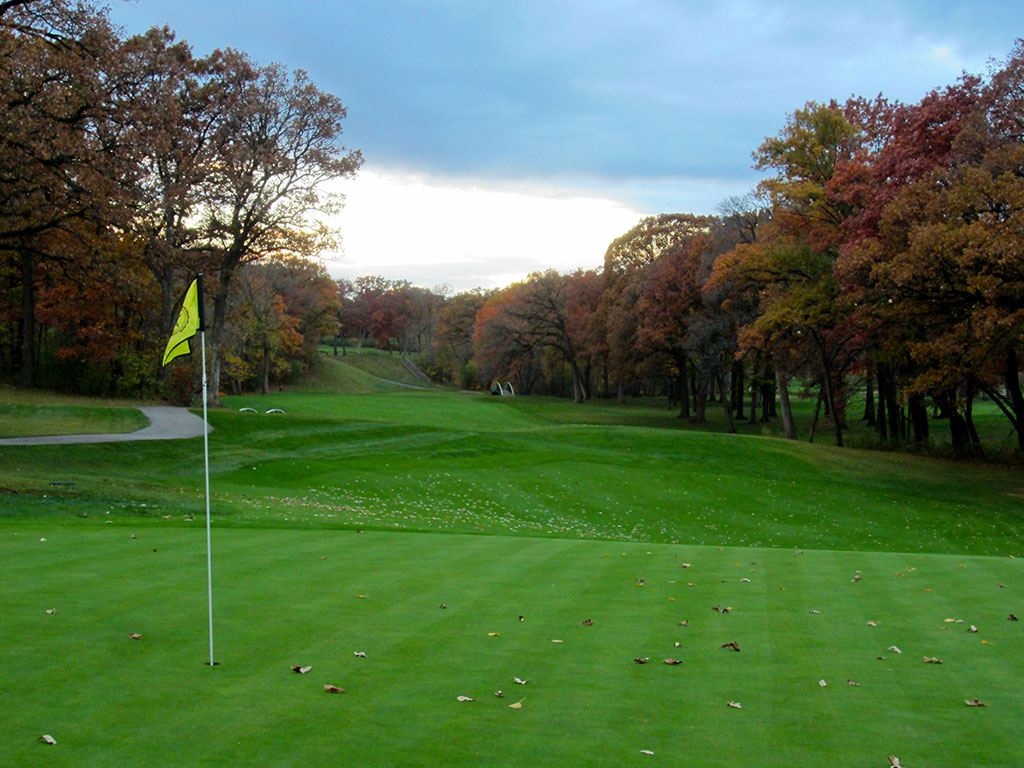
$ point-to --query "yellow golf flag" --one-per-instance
(186, 327)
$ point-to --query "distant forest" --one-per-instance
(885, 248)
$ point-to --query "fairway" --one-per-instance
(345, 524)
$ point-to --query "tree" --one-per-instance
(277, 151)
(54, 167)
(807, 156)
(170, 105)
(455, 321)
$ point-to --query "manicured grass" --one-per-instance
(500, 508)
(291, 597)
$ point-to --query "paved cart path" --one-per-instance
(165, 423)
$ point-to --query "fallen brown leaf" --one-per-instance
(500, 694)
(1011, 617)
(51, 611)
(517, 681)
(135, 636)
(360, 654)
(333, 689)
(972, 628)
(587, 622)
(851, 682)
(301, 670)
(734, 645)
(47, 739)
(672, 661)
(464, 698)
(974, 703)
(894, 762)
(932, 660)
(684, 623)
(642, 659)
(823, 684)
(516, 705)
(735, 705)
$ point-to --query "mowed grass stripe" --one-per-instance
(114, 701)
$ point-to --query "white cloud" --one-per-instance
(433, 230)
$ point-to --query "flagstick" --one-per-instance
(206, 458)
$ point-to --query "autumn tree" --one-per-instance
(171, 108)
(279, 148)
(455, 321)
(806, 157)
(54, 168)
(624, 261)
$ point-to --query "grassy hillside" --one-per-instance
(380, 364)
(333, 375)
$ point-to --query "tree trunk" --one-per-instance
(880, 417)
(220, 310)
(918, 419)
(817, 412)
(265, 384)
(869, 399)
(1011, 375)
(684, 393)
(737, 390)
(27, 376)
(969, 419)
(579, 391)
(700, 400)
(725, 385)
(830, 394)
(788, 427)
(621, 393)
(767, 396)
(958, 434)
(893, 412)
(753, 392)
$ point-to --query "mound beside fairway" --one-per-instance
(315, 598)
(498, 508)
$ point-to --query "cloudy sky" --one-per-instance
(501, 137)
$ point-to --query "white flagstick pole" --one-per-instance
(206, 461)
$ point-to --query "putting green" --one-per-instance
(293, 597)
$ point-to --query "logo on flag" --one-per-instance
(186, 327)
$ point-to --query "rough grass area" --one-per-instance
(315, 598)
(332, 375)
(388, 367)
(28, 419)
